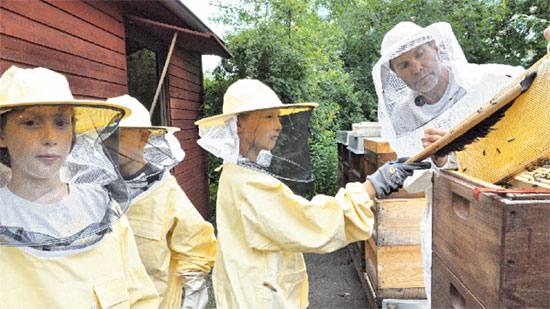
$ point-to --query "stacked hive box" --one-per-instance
(491, 252)
(390, 261)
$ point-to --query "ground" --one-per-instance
(333, 282)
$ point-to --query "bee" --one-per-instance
(483, 151)
(270, 286)
(498, 150)
(511, 140)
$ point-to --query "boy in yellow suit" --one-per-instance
(63, 244)
(177, 246)
(263, 226)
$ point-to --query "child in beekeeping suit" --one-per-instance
(63, 245)
(177, 246)
(263, 226)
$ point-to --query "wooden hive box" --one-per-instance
(489, 253)
(390, 261)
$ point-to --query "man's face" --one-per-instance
(419, 68)
(38, 140)
(259, 130)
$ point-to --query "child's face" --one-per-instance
(258, 130)
(38, 140)
(132, 142)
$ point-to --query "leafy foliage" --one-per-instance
(324, 50)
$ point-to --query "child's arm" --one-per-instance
(194, 246)
(274, 218)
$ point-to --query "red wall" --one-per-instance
(84, 40)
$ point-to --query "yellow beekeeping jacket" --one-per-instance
(108, 276)
(172, 238)
(263, 228)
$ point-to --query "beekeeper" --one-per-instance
(177, 246)
(425, 86)
(63, 244)
(263, 226)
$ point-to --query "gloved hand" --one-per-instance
(391, 176)
(196, 292)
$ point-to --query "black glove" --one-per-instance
(391, 176)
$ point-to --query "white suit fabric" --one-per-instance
(175, 243)
(110, 275)
(263, 228)
(404, 123)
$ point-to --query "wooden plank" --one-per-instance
(82, 86)
(18, 26)
(371, 261)
(184, 94)
(186, 134)
(110, 8)
(111, 22)
(176, 81)
(398, 221)
(55, 18)
(526, 263)
(377, 145)
(400, 267)
(448, 291)
(184, 114)
(538, 178)
(17, 50)
(185, 62)
(459, 221)
(356, 254)
(183, 123)
(184, 104)
(185, 74)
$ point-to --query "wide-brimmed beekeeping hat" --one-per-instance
(248, 95)
(140, 117)
(25, 88)
(405, 36)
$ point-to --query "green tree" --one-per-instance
(324, 50)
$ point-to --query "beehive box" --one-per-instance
(393, 260)
(489, 253)
(390, 261)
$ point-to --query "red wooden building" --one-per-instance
(98, 45)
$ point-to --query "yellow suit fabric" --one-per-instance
(109, 275)
(263, 228)
(172, 238)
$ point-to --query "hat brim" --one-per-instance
(286, 109)
(154, 129)
(89, 114)
(426, 31)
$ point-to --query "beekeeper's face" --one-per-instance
(258, 130)
(38, 140)
(132, 143)
(419, 68)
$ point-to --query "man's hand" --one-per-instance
(391, 176)
(547, 36)
(430, 137)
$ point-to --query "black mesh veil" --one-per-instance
(289, 160)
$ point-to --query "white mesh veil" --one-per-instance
(403, 123)
(48, 138)
(97, 196)
(162, 151)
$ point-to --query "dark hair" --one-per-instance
(430, 43)
(4, 153)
